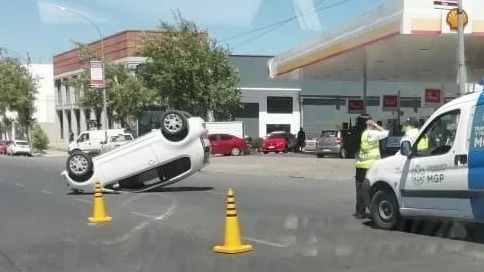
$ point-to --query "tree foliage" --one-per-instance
(17, 91)
(126, 96)
(189, 71)
(39, 139)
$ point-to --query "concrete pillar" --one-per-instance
(82, 120)
(65, 127)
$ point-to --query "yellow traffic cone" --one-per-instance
(98, 209)
(233, 243)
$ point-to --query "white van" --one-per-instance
(91, 142)
(442, 178)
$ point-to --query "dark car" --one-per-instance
(279, 141)
(227, 144)
(3, 146)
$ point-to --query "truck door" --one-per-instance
(432, 180)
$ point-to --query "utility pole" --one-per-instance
(461, 50)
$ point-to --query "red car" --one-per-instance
(227, 144)
(278, 142)
(3, 146)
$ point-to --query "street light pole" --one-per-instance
(105, 112)
(461, 51)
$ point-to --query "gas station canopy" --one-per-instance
(402, 41)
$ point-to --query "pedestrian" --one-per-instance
(368, 154)
(301, 139)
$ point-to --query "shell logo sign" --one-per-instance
(452, 18)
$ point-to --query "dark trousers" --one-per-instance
(360, 201)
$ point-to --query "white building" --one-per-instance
(44, 104)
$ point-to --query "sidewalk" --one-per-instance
(327, 169)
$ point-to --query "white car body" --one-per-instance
(444, 182)
(19, 147)
(141, 158)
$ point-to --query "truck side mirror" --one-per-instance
(406, 148)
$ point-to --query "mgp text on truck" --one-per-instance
(442, 178)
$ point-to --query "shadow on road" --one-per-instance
(468, 232)
(181, 189)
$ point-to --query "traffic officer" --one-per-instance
(369, 153)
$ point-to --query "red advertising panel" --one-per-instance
(433, 97)
(355, 106)
(390, 102)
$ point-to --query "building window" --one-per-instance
(279, 104)
(278, 127)
(248, 110)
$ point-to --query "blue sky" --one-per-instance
(38, 27)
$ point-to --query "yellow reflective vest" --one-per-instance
(369, 152)
(423, 144)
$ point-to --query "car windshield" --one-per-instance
(277, 136)
(329, 133)
(23, 143)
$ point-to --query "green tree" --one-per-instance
(39, 139)
(17, 91)
(126, 96)
(189, 71)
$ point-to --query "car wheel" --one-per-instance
(174, 125)
(235, 151)
(286, 149)
(343, 154)
(265, 152)
(79, 166)
(320, 155)
(384, 210)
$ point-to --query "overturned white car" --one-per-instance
(162, 157)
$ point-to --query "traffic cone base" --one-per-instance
(228, 250)
(100, 220)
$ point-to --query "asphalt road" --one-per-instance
(294, 224)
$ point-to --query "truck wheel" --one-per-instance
(79, 166)
(384, 210)
(174, 125)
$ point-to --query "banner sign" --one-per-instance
(390, 102)
(433, 97)
(355, 106)
(446, 4)
(97, 74)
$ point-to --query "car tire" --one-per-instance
(320, 155)
(286, 149)
(174, 125)
(265, 152)
(235, 151)
(343, 153)
(79, 166)
(384, 210)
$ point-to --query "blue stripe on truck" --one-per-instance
(476, 159)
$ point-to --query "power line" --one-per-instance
(280, 24)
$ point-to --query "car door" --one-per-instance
(433, 180)
(225, 143)
(84, 143)
(214, 143)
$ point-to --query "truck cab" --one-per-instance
(443, 178)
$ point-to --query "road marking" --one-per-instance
(83, 200)
(19, 184)
(46, 192)
(267, 243)
(143, 214)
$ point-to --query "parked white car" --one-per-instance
(19, 147)
(92, 141)
(116, 141)
(165, 156)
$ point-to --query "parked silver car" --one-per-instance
(331, 142)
